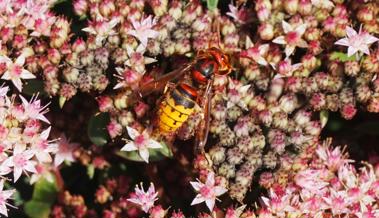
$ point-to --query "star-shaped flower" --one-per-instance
(238, 15)
(292, 38)
(65, 151)
(4, 196)
(207, 191)
(15, 71)
(144, 199)
(101, 29)
(141, 143)
(34, 110)
(357, 41)
(255, 52)
(42, 148)
(20, 161)
(143, 30)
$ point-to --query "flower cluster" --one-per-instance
(329, 185)
(293, 61)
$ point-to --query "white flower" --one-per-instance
(144, 199)
(15, 71)
(101, 29)
(4, 196)
(207, 191)
(34, 110)
(141, 143)
(65, 151)
(20, 161)
(357, 41)
(143, 30)
(292, 38)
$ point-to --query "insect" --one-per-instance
(180, 98)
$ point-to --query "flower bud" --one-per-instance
(291, 6)
(266, 31)
(305, 7)
(80, 7)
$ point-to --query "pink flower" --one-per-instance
(357, 41)
(255, 52)
(207, 191)
(4, 196)
(236, 90)
(20, 161)
(332, 158)
(33, 109)
(136, 59)
(141, 143)
(278, 204)
(238, 15)
(42, 148)
(15, 71)
(144, 199)
(293, 37)
(101, 29)
(143, 30)
(337, 202)
(42, 172)
(127, 78)
(286, 68)
(311, 180)
(65, 151)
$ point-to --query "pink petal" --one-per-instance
(210, 203)
(350, 32)
(196, 185)
(343, 41)
(289, 50)
(16, 174)
(129, 147)
(286, 27)
(144, 154)
(370, 39)
(153, 144)
(365, 49)
(27, 75)
(301, 29)
(58, 160)
(210, 179)
(197, 200)
(280, 40)
(351, 51)
(133, 133)
(20, 60)
(17, 83)
(6, 76)
(3, 210)
(219, 190)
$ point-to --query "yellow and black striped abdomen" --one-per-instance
(176, 108)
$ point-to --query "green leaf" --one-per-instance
(212, 4)
(324, 116)
(62, 100)
(34, 86)
(37, 209)
(97, 129)
(44, 190)
(154, 154)
(90, 171)
(44, 195)
(340, 56)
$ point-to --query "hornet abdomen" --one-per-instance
(175, 109)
